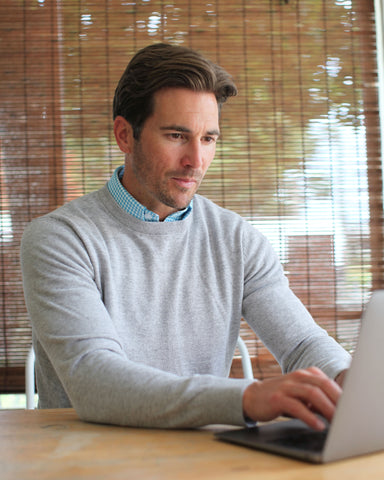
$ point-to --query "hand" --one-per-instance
(300, 394)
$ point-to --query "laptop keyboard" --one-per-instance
(311, 441)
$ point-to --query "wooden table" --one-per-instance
(55, 444)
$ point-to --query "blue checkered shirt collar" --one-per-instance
(133, 207)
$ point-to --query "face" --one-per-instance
(165, 167)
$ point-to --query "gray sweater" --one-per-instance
(135, 323)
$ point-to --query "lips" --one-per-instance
(185, 182)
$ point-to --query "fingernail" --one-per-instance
(320, 425)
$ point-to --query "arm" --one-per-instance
(298, 343)
(280, 319)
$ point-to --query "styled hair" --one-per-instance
(160, 66)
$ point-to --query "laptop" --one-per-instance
(357, 427)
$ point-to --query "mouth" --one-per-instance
(185, 183)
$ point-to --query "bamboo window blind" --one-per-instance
(299, 156)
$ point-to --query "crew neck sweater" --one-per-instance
(135, 323)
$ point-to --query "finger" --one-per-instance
(316, 390)
(315, 400)
(302, 400)
(317, 378)
(296, 409)
(331, 389)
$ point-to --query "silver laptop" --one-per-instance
(357, 427)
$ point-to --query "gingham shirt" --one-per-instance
(133, 207)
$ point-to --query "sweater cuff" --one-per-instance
(226, 401)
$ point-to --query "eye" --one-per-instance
(175, 136)
(209, 139)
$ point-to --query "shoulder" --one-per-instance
(232, 228)
(221, 218)
(73, 216)
(206, 208)
(87, 206)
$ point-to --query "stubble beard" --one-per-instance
(141, 167)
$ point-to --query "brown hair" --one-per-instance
(166, 66)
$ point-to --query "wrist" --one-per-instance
(248, 400)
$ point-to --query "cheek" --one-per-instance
(156, 157)
(209, 158)
(167, 158)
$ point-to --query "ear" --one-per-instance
(123, 134)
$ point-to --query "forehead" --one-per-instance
(180, 103)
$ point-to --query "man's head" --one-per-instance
(166, 121)
(161, 66)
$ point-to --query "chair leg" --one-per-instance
(30, 379)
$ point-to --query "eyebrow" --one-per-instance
(181, 129)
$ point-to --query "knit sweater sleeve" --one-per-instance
(78, 344)
(278, 316)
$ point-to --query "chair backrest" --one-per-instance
(245, 359)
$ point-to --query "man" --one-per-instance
(136, 291)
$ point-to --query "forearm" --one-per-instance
(136, 395)
(289, 332)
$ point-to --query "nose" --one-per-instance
(193, 155)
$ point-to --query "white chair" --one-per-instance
(245, 359)
(30, 371)
(30, 379)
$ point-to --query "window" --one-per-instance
(299, 156)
